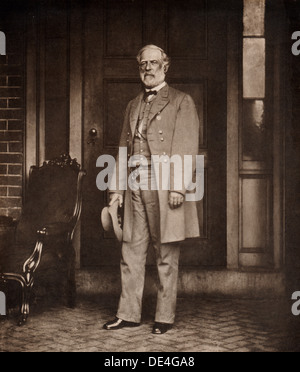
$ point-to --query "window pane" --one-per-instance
(254, 68)
(255, 141)
(254, 17)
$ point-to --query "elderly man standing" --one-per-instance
(160, 121)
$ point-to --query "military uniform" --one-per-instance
(167, 124)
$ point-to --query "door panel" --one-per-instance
(194, 33)
(123, 25)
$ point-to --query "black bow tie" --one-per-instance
(150, 93)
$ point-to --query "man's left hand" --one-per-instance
(175, 200)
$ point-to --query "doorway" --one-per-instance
(194, 34)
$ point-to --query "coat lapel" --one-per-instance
(135, 111)
(160, 103)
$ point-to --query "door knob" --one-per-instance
(93, 133)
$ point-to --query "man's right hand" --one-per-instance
(116, 197)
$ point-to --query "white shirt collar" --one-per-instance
(157, 89)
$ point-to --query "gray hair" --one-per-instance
(164, 57)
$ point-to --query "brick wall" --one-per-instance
(12, 110)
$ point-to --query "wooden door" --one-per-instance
(194, 34)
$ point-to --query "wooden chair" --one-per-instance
(42, 249)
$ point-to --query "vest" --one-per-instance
(140, 143)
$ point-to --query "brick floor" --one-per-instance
(203, 325)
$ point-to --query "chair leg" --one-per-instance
(25, 308)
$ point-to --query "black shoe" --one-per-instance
(119, 324)
(161, 328)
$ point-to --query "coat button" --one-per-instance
(160, 132)
(162, 139)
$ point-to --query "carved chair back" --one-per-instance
(53, 196)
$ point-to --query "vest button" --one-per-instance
(160, 132)
(162, 139)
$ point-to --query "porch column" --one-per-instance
(233, 140)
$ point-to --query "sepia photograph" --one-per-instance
(150, 178)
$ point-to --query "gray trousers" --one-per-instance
(146, 229)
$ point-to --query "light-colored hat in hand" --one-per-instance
(111, 220)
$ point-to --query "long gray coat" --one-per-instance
(173, 130)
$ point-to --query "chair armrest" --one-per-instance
(34, 260)
(54, 230)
